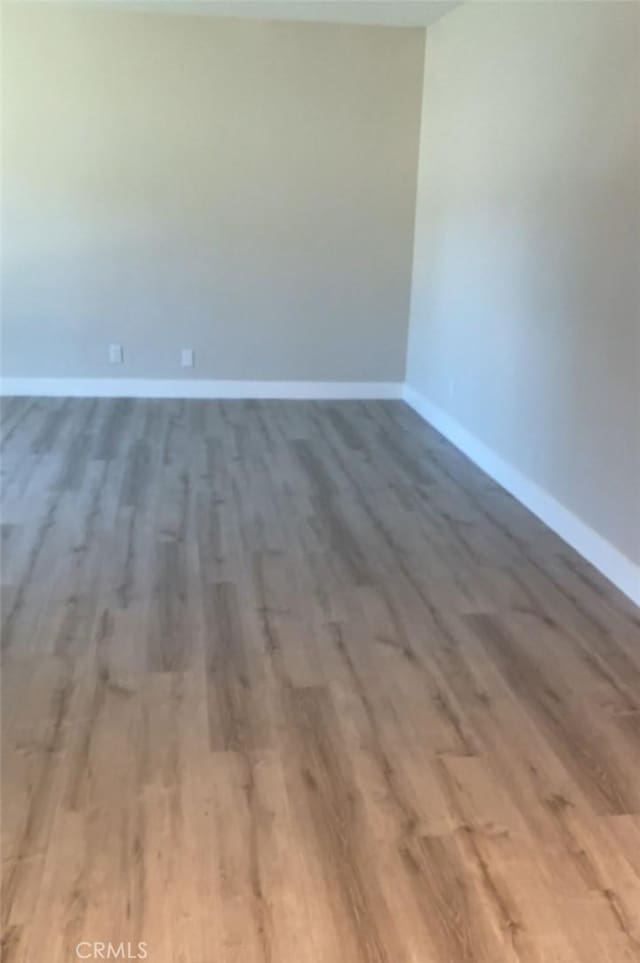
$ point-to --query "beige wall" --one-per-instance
(526, 289)
(243, 188)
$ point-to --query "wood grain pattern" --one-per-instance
(296, 683)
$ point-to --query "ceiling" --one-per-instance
(397, 13)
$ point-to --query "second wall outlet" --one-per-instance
(186, 358)
(116, 354)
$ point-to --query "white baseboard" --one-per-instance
(619, 569)
(199, 388)
(615, 566)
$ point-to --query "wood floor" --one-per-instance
(296, 683)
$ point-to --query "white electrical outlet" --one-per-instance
(186, 358)
(116, 355)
